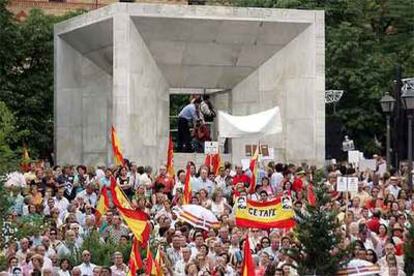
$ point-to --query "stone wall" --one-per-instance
(294, 80)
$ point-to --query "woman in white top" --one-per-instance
(219, 203)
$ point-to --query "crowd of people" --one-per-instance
(374, 218)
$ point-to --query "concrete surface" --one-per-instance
(115, 66)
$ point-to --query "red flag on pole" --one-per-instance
(253, 169)
(116, 148)
(188, 193)
(135, 262)
(248, 263)
(170, 158)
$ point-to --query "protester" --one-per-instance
(376, 222)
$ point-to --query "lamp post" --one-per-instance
(387, 105)
(407, 99)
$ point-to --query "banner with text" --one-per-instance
(276, 213)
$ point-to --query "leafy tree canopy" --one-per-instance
(26, 76)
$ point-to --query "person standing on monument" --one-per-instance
(187, 116)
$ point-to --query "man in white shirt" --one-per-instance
(134, 176)
(277, 177)
(89, 195)
(86, 266)
(119, 268)
(394, 189)
(203, 182)
(60, 201)
(179, 267)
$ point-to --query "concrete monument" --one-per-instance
(117, 65)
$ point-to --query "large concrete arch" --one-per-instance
(116, 66)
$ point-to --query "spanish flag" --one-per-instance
(213, 161)
(157, 267)
(253, 169)
(149, 261)
(135, 262)
(120, 195)
(170, 158)
(137, 220)
(248, 263)
(153, 266)
(188, 193)
(276, 213)
(116, 148)
(102, 205)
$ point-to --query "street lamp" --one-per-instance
(387, 105)
(407, 99)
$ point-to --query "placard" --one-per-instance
(353, 184)
(271, 155)
(211, 147)
(353, 156)
(341, 185)
(264, 150)
(344, 184)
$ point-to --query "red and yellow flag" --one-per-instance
(137, 220)
(213, 161)
(157, 267)
(248, 263)
(116, 148)
(187, 193)
(170, 158)
(253, 169)
(154, 266)
(135, 262)
(276, 213)
(102, 206)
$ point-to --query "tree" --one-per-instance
(26, 76)
(409, 248)
(8, 134)
(318, 230)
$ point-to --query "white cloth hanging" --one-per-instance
(252, 126)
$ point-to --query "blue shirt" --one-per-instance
(199, 184)
(189, 112)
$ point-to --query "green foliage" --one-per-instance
(8, 135)
(31, 225)
(365, 40)
(5, 204)
(409, 248)
(26, 76)
(317, 231)
(102, 251)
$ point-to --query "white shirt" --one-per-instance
(86, 269)
(394, 190)
(275, 180)
(62, 204)
(89, 198)
(119, 271)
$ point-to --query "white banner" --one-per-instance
(251, 126)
